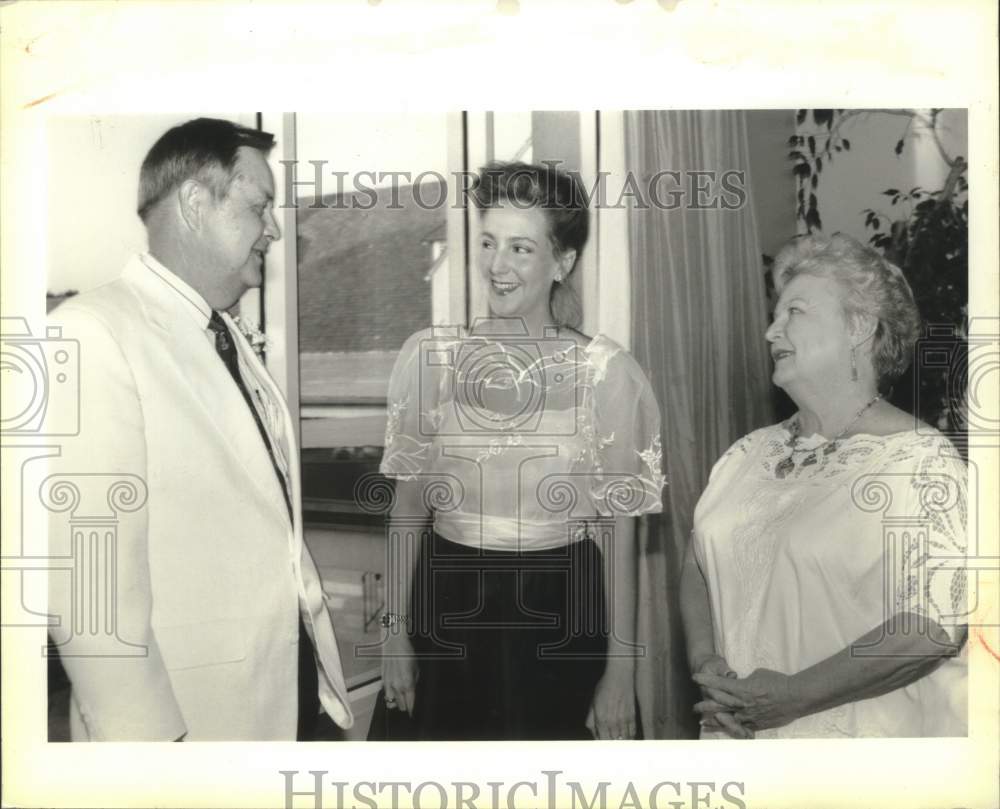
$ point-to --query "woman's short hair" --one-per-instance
(562, 199)
(205, 148)
(872, 287)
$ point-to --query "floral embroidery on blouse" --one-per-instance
(394, 413)
(653, 458)
(498, 445)
(580, 406)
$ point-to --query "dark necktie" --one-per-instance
(308, 677)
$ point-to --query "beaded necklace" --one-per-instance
(829, 447)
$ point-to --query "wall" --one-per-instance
(856, 179)
(92, 181)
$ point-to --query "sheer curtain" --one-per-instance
(699, 315)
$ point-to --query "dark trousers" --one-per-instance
(308, 687)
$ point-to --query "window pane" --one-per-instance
(371, 245)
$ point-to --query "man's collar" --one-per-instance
(195, 305)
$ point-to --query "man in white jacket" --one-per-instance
(221, 630)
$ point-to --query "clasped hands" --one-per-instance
(740, 706)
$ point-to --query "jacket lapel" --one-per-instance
(199, 368)
(269, 403)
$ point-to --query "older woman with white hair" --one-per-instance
(823, 594)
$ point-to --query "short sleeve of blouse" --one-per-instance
(931, 572)
(921, 494)
(411, 407)
(627, 475)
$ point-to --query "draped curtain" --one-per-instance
(699, 314)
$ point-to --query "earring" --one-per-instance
(854, 366)
(558, 277)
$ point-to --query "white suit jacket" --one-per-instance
(211, 574)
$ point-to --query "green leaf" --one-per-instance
(890, 192)
(812, 145)
(846, 144)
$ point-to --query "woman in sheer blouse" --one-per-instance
(522, 449)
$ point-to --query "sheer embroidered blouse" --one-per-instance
(521, 442)
(805, 552)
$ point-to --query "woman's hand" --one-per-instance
(717, 707)
(399, 673)
(765, 699)
(612, 713)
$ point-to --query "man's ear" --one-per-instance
(191, 199)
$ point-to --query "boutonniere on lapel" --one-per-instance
(275, 425)
(257, 339)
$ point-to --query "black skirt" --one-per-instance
(510, 645)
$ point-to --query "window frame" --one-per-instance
(604, 283)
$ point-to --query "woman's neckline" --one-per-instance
(583, 346)
(819, 437)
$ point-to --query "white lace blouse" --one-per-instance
(522, 442)
(803, 558)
